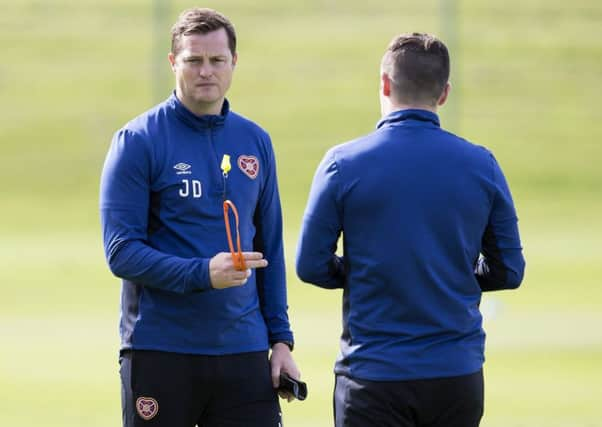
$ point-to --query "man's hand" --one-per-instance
(224, 275)
(281, 360)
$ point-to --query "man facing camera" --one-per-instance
(197, 321)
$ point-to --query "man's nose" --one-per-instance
(205, 70)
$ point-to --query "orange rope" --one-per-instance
(237, 258)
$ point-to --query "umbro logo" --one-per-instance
(183, 169)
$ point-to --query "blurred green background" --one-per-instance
(527, 83)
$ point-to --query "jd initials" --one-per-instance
(191, 186)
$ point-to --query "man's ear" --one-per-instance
(234, 59)
(444, 94)
(385, 85)
(172, 60)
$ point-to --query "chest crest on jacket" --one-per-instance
(249, 165)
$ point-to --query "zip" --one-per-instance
(224, 173)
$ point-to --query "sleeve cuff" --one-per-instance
(200, 280)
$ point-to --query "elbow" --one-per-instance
(310, 270)
(116, 267)
(320, 274)
(115, 260)
(304, 271)
(515, 276)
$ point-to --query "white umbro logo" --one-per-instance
(182, 169)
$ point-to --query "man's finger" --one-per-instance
(249, 256)
(257, 264)
(237, 282)
(284, 395)
(236, 275)
(275, 376)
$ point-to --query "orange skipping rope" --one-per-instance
(237, 258)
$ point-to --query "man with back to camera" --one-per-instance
(195, 330)
(428, 224)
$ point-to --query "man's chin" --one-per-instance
(206, 100)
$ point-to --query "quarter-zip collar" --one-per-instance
(399, 116)
(203, 122)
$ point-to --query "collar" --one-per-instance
(198, 122)
(400, 116)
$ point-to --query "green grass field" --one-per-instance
(526, 78)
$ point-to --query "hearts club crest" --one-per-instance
(147, 407)
(249, 165)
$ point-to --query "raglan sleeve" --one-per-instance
(125, 189)
(501, 264)
(271, 281)
(316, 259)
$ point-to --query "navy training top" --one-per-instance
(416, 206)
(161, 205)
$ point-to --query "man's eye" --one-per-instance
(193, 61)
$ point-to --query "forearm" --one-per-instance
(137, 262)
(501, 265)
(316, 261)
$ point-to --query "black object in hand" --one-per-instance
(295, 387)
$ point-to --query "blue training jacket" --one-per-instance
(416, 206)
(161, 205)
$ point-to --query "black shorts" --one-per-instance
(439, 402)
(180, 390)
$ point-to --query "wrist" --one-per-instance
(288, 344)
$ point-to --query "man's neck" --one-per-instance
(390, 108)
